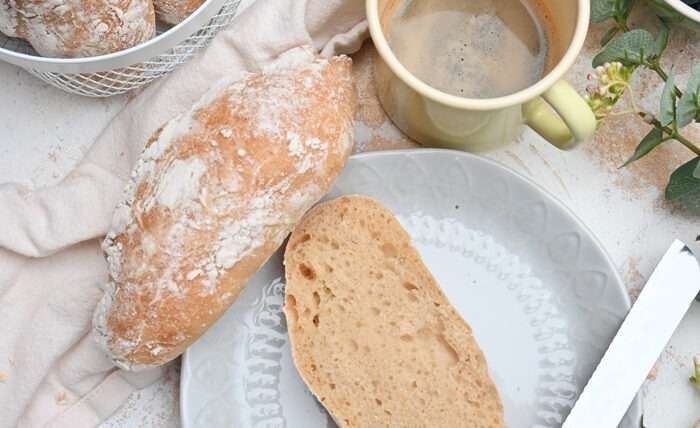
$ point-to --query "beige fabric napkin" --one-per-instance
(51, 265)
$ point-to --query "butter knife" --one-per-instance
(644, 333)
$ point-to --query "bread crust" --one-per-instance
(372, 333)
(214, 194)
(78, 28)
(174, 11)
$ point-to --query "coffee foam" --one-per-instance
(474, 49)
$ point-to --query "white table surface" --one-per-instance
(44, 132)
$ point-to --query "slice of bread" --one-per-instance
(372, 334)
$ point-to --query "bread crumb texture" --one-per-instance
(372, 333)
(213, 195)
(62, 398)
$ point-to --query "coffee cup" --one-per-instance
(465, 100)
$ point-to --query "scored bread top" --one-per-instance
(213, 195)
(372, 334)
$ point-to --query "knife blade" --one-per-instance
(643, 335)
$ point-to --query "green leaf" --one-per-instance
(691, 202)
(608, 36)
(689, 104)
(631, 48)
(696, 172)
(682, 181)
(662, 38)
(667, 109)
(651, 140)
(625, 7)
(602, 10)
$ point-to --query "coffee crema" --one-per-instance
(473, 48)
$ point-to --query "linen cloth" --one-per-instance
(51, 266)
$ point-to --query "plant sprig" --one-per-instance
(695, 378)
(623, 51)
(617, 10)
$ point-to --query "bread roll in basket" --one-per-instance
(134, 57)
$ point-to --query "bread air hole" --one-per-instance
(315, 320)
(389, 250)
(409, 286)
(317, 298)
(412, 290)
(446, 354)
(307, 272)
(290, 308)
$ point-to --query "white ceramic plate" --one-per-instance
(540, 293)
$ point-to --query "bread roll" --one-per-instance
(78, 28)
(174, 11)
(214, 194)
(371, 332)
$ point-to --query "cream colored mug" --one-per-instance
(550, 106)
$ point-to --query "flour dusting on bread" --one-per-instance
(175, 11)
(78, 28)
(214, 193)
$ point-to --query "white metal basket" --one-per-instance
(120, 72)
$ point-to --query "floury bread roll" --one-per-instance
(174, 11)
(78, 28)
(371, 332)
(214, 194)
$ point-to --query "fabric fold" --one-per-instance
(51, 266)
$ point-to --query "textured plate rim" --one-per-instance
(636, 406)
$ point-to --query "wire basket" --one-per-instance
(124, 71)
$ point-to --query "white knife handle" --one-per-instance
(643, 335)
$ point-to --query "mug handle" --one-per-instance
(573, 122)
